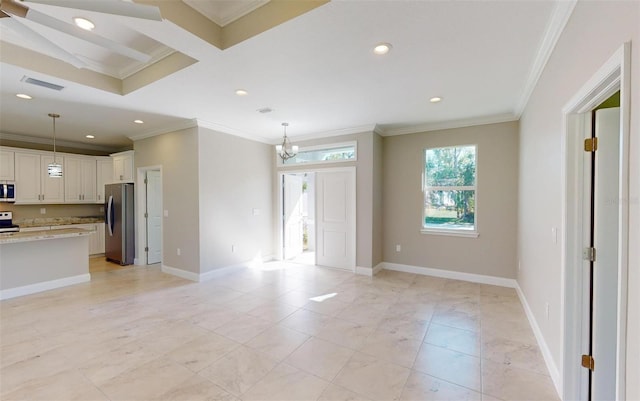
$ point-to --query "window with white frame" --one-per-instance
(449, 190)
(329, 153)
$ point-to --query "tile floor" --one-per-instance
(283, 332)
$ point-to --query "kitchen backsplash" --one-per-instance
(23, 212)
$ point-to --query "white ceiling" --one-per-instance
(316, 72)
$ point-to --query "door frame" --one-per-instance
(300, 170)
(284, 228)
(141, 224)
(614, 75)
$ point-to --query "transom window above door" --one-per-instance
(449, 191)
(320, 154)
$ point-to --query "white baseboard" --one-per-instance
(215, 273)
(180, 273)
(43, 286)
(454, 275)
(378, 268)
(546, 353)
(364, 271)
(368, 271)
(222, 271)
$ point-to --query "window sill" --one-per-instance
(451, 233)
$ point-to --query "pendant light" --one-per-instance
(54, 169)
(286, 150)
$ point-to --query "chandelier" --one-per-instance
(286, 150)
(54, 169)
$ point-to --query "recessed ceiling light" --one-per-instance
(435, 99)
(241, 92)
(84, 23)
(24, 96)
(138, 121)
(89, 136)
(382, 48)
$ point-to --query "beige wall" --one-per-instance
(594, 32)
(364, 189)
(493, 253)
(177, 153)
(236, 176)
(33, 211)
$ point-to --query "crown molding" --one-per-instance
(468, 122)
(560, 16)
(48, 141)
(328, 134)
(189, 123)
(157, 54)
(231, 131)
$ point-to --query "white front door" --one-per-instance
(336, 223)
(605, 270)
(292, 215)
(154, 217)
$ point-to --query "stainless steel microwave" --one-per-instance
(7, 191)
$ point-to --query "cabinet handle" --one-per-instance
(79, 197)
(42, 196)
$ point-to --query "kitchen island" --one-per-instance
(38, 261)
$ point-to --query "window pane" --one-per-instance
(454, 166)
(450, 210)
(324, 155)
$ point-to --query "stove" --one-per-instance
(6, 223)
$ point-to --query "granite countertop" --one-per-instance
(8, 238)
(57, 221)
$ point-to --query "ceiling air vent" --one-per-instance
(44, 84)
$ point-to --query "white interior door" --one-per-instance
(292, 215)
(605, 274)
(154, 217)
(335, 217)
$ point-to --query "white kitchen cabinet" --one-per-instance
(104, 173)
(80, 179)
(33, 184)
(7, 166)
(96, 240)
(99, 237)
(123, 166)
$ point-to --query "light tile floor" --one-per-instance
(282, 332)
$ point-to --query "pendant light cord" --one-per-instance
(54, 139)
(54, 116)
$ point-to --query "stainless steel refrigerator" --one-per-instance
(119, 223)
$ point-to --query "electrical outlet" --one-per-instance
(256, 212)
(43, 210)
(398, 248)
(102, 209)
(554, 235)
(178, 251)
(166, 213)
